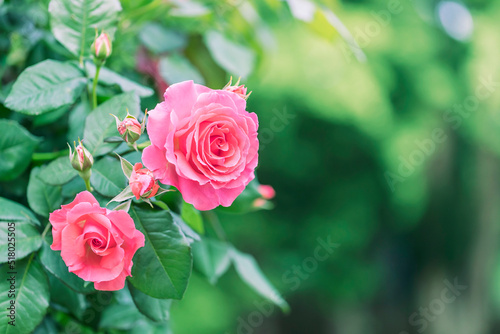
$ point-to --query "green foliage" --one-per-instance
(101, 125)
(105, 178)
(46, 86)
(42, 197)
(16, 147)
(74, 22)
(54, 264)
(31, 296)
(58, 172)
(166, 256)
(153, 308)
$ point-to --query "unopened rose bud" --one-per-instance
(142, 182)
(101, 48)
(238, 89)
(80, 158)
(129, 129)
(267, 192)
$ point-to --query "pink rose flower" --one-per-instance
(142, 182)
(204, 143)
(96, 244)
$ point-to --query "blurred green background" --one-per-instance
(388, 148)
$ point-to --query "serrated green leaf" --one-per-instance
(166, 255)
(45, 87)
(21, 237)
(153, 308)
(101, 125)
(16, 148)
(42, 197)
(107, 178)
(176, 68)
(12, 211)
(53, 263)
(31, 296)
(249, 271)
(125, 206)
(235, 58)
(108, 77)
(211, 258)
(74, 22)
(58, 172)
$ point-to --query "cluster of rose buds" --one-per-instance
(101, 48)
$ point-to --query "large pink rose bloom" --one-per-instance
(96, 244)
(204, 143)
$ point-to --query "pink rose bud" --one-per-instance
(130, 129)
(267, 192)
(240, 90)
(101, 48)
(259, 203)
(142, 182)
(80, 158)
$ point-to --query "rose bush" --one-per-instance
(204, 143)
(96, 244)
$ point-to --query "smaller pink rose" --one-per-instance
(96, 244)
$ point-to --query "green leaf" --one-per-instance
(42, 197)
(50, 117)
(125, 206)
(31, 296)
(159, 40)
(16, 148)
(12, 211)
(54, 264)
(176, 68)
(107, 178)
(249, 271)
(62, 295)
(76, 121)
(74, 22)
(46, 86)
(166, 256)
(120, 316)
(126, 167)
(123, 196)
(109, 78)
(101, 125)
(153, 308)
(236, 59)
(58, 172)
(21, 237)
(192, 217)
(17, 222)
(211, 258)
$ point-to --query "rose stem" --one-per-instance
(94, 86)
